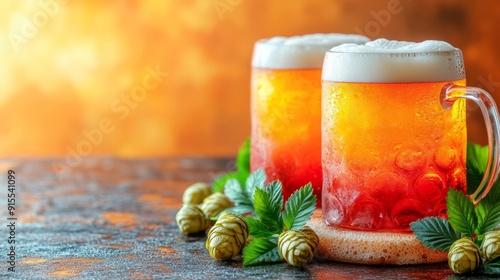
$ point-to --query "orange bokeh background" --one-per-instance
(71, 69)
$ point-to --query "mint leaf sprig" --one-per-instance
(271, 221)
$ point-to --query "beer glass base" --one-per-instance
(374, 248)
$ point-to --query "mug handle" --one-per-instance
(449, 94)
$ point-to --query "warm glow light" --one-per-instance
(65, 63)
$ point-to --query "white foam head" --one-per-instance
(307, 51)
(394, 61)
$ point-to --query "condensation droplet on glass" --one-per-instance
(410, 160)
(445, 158)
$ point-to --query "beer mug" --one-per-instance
(394, 133)
(286, 108)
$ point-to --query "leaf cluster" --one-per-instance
(242, 195)
(271, 220)
(267, 214)
(464, 219)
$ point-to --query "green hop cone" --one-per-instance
(491, 245)
(227, 237)
(311, 235)
(297, 246)
(215, 203)
(464, 256)
(191, 219)
(196, 193)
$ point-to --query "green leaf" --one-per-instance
(477, 157)
(435, 233)
(235, 193)
(242, 177)
(268, 203)
(492, 267)
(299, 208)
(274, 202)
(494, 194)
(260, 251)
(221, 181)
(461, 214)
(255, 180)
(243, 158)
(257, 228)
(488, 211)
(241, 209)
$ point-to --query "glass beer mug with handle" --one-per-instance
(286, 107)
(394, 133)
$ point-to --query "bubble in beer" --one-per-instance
(299, 52)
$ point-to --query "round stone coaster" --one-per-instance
(380, 248)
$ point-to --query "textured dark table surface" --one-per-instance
(108, 218)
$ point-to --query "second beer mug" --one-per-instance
(394, 133)
(286, 107)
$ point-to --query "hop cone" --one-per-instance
(491, 245)
(311, 235)
(196, 193)
(191, 219)
(297, 247)
(464, 256)
(215, 203)
(227, 237)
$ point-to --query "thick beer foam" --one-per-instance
(307, 51)
(365, 247)
(394, 61)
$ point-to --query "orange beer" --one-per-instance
(390, 149)
(286, 108)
